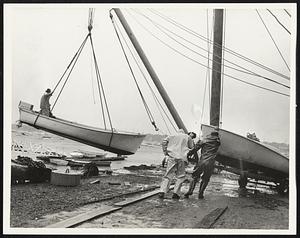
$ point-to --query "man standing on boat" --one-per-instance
(175, 148)
(205, 166)
(45, 104)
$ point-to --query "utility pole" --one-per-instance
(151, 71)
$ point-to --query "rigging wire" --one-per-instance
(230, 76)
(207, 81)
(136, 83)
(247, 71)
(272, 39)
(279, 21)
(152, 91)
(170, 20)
(287, 12)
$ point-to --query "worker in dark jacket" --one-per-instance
(205, 166)
(45, 104)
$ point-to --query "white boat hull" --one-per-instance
(247, 154)
(124, 143)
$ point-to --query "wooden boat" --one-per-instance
(116, 142)
(240, 153)
(114, 158)
(72, 162)
(246, 154)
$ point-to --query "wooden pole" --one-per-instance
(151, 71)
(217, 68)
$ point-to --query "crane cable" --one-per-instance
(136, 83)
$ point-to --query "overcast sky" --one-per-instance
(40, 41)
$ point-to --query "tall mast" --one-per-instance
(216, 67)
(151, 71)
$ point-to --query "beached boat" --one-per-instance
(249, 155)
(124, 143)
(246, 157)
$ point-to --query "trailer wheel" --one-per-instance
(283, 187)
(243, 180)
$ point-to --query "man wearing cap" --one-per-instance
(175, 148)
(205, 166)
(45, 104)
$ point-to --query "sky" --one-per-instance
(40, 41)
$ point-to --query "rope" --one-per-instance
(272, 39)
(136, 83)
(92, 78)
(230, 76)
(70, 63)
(75, 60)
(227, 49)
(279, 21)
(101, 84)
(91, 18)
(159, 26)
(153, 94)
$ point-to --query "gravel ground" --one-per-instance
(32, 201)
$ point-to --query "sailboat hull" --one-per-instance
(248, 155)
(124, 143)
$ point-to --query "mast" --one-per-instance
(151, 71)
(216, 68)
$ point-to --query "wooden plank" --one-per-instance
(129, 201)
(210, 219)
(73, 221)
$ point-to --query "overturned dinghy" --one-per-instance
(124, 143)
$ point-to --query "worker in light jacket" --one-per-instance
(205, 166)
(45, 104)
(175, 148)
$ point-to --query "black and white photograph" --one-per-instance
(149, 118)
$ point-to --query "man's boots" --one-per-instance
(203, 185)
(191, 188)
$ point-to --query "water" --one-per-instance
(33, 140)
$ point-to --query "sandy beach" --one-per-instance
(42, 204)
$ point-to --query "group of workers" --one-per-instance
(179, 149)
